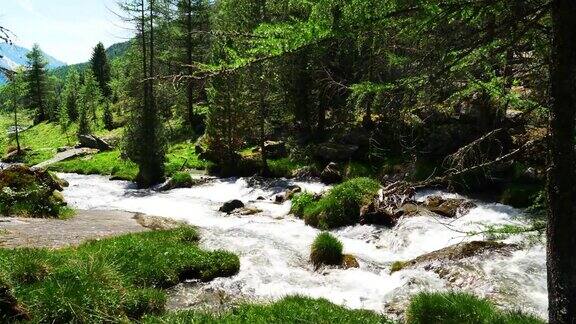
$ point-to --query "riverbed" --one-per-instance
(274, 246)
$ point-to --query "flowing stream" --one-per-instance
(274, 246)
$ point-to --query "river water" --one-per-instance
(274, 246)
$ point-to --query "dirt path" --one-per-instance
(86, 225)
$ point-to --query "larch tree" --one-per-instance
(144, 134)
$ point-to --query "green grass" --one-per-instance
(300, 202)
(284, 167)
(341, 206)
(105, 163)
(458, 308)
(110, 280)
(326, 250)
(288, 310)
(183, 156)
(180, 156)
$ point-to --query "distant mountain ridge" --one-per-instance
(13, 56)
(114, 51)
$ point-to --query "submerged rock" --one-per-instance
(450, 207)
(349, 262)
(456, 252)
(231, 206)
(247, 211)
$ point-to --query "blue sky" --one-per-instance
(65, 29)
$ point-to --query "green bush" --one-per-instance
(110, 280)
(300, 202)
(326, 250)
(288, 310)
(341, 206)
(457, 308)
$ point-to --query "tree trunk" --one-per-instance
(561, 259)
(189, 61)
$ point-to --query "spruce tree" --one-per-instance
(101, 69)
(37, 84)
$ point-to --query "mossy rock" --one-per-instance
(520, 195)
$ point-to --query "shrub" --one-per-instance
(326, 250)
(455, 308)
(341, 206)
(300, 202)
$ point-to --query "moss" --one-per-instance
(341, 206)
(284, 167)
(300, 202)
(356, 169)
(288, 310)
(326, 250)
(454, 307)
(397, 266)
(112, 279)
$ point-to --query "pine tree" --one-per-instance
(107, 116)
(101, 69)
(37, 84)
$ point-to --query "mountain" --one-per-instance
(13, 56)
(115, 51)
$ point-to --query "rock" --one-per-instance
(14, 156)
(198, 149)
(305, 173)
(335, 152)
(63, 149)
(275, 149)
(231, 206)
(280, 198)
(287, 194)
(246, 211)
(331, 174)
(450, 207)
(91, 141)
(260, 198)
(375, 214)
(349, 262)
(457, 252)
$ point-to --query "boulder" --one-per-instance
(448, 207)
(231, 206)
(287, 194)
(374, 213)
(331, 174)
(275, 149)
(94, 142)
(457, 252)
(335, 152)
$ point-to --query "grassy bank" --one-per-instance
(110, 280)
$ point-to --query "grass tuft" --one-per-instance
(326, 250)
(456, 307)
